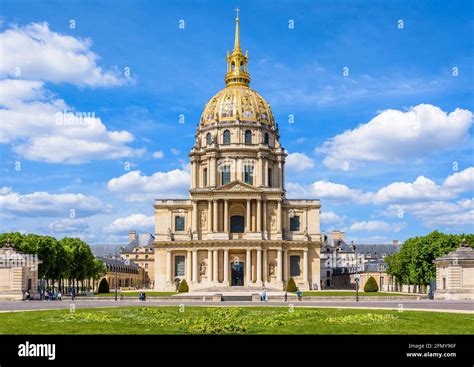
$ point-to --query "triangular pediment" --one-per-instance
(237, 186)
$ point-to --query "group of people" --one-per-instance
(142, 296)
(50, 295)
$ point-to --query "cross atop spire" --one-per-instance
(237, 11)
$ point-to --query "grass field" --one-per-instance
(233, 320)
(135, 294)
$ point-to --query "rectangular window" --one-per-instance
(248, 172)
(225, 175)
(295, 224)
(294, 266)
(204, 177)
(179, 224)
(179, 266)
(270, 184)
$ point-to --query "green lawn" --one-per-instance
(353, 293)
(233, 320)
(135, 294)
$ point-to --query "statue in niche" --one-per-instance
(203, 218)
(203, 268)
(271, 269)
(272, 219)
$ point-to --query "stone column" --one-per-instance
(279, 216)
(209, 216)
(259, 215)
(305, 265)
(280, 174)
(265, 172)
(215, 217)
(248, 223)
(286, 262)
(226, 267)
(226, 215)
(169, 266)
(209, 265)
(280, 265)
(193, 174)
(195, 217)
(248, 267)
(265, 265)
(265, 229)
(215, 268)
(212, 171)
(188, 265)
(195, 266)
(259, 266)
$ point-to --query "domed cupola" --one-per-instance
(237, 101)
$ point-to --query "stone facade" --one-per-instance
(237, 228)
(455, 274)
(140, 251)
(18, 273)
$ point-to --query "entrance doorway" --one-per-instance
(237, 274)
(237, 224)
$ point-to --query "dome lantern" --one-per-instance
(237, 73)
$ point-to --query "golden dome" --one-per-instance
(237, 101)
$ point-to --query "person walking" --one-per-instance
(286, 296)
(264, 295)
(73, 294)
(27, 295)
(59, 296)
(299, 294)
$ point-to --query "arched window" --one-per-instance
(266, 139)
(248, 137)
(226, 138)
(208, 139)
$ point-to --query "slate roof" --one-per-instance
(461, 253)
(376, 250)
(118, 262)
(141, 240)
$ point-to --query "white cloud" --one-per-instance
(158, 154)
(339, 192)
(43, 128)
(377, 225)
(134, 221)
(37, 53)
(423, 189)
(437, 213)
(394, 136)
(460, 181)
(68, 226)
(298, 162)
(133, 186)
(175, 151)
(39, 204)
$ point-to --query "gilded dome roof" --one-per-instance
(237, 102)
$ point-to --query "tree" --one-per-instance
(103, 286)
(413, 264)
(183, 286)
(371, 285)
(291, 285)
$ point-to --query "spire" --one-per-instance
(237, 61)
(237, 37)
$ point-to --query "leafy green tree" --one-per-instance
(413, 264)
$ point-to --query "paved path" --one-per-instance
(431, 305)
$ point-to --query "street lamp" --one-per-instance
(117, 258)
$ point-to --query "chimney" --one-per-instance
(395, 242)
(132, 235)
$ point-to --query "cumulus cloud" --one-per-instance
(134, 221)
(424, 189)
(44, 128)
(394, 136)
(339, 192)
(435, 214)
(35, 52)
(377, 225)
(44, 204)
(69, 225)
(298, 162)
(133, 186)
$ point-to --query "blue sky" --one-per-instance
(381, 93)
